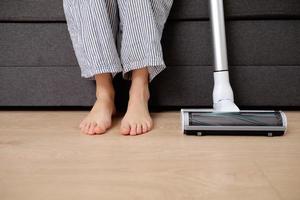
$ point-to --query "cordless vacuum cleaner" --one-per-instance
(226, 118)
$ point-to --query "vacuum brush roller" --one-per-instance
(246, 122)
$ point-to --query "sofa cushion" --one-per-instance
(238, 9)
(52, 10)
(184, 43)
(62, 86)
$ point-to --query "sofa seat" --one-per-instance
(38, 66)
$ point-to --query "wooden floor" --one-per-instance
(43, 156)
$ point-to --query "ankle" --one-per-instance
(104, 86)
(140, 92)
(106, 95)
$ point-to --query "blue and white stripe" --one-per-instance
(117, 35)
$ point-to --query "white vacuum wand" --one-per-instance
(223, 100)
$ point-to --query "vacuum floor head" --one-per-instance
(246, 122)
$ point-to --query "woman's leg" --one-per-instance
(93, 27)
(137, 119)
(141, 55)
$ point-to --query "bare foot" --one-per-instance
(99, 118)
(137, 119)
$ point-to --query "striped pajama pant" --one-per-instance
(112, 36)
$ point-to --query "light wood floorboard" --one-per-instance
(43, 156)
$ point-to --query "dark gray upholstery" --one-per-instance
(38, 65)
(185, 43)
(51, 10)
(61, 85)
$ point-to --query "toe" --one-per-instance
(125, 128)
(144, 127)
(81, 125)
(86, 128)
(139, 129)
(149, 125)
(92, 127)
(100, 128)
(133, 129)
(107, 124)
(83, 128)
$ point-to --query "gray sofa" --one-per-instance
(38, 65)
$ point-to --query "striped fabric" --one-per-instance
(117, 35)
